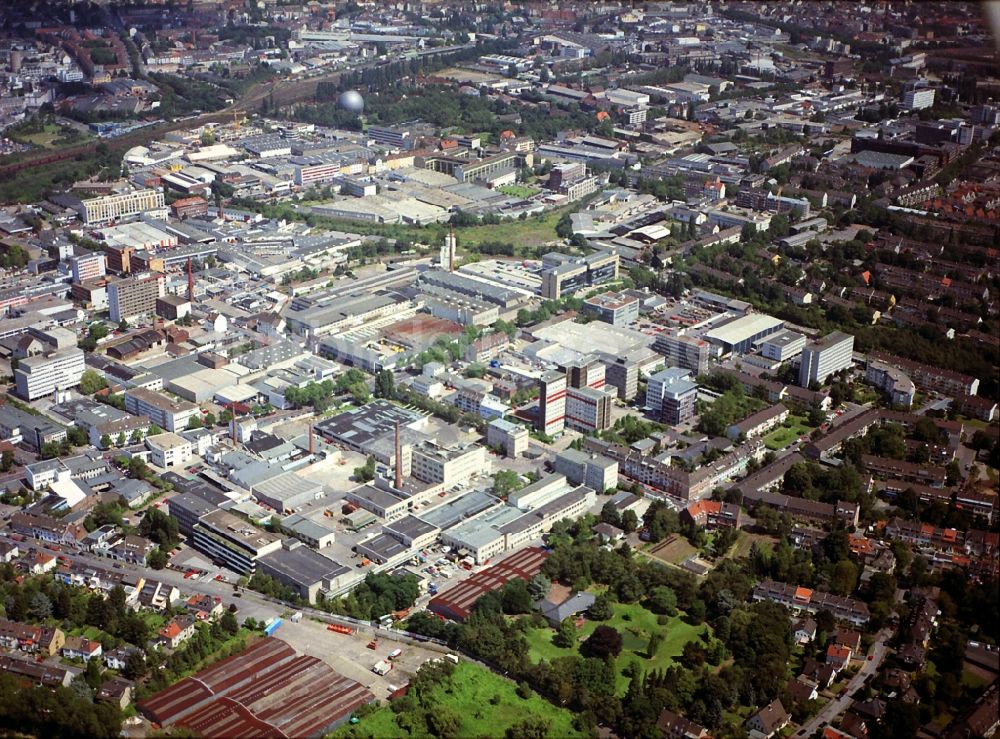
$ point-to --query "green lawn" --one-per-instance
(784, 435)
(635, 624)
(518, 191)
(470, 694)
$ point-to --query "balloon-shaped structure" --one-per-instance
(351, 100)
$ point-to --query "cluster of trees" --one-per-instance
(757, 636)
(630, 429)
(379, 594)
(319, 394)
(13, 257)
(38, 711)
(732, 406)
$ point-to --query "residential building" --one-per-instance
(825, 357)
(783, 346)
(79, 647)
(674, 726)
(43, 374)
(769, 720)
(713, 514)
(759, 423)
(806, 600)
(177, 631)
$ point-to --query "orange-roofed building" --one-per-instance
(602, 115)
(838, 656)
(508, 134)
(803, 595)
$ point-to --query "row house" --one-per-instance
(29, 638)
(47, 528)
(802, 599)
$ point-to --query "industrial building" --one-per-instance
(739, 335)
(783, 346)
(593, 470)
(456, 603)
(617, 309)
(265, 690)
(305, 570)
(511, 437)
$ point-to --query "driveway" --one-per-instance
(832, 710)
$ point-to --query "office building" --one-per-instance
(564, 274)
(168, 450)
(434, 464)
(95, 211)
(683, 351)
(41, 375)
(135, 297)
(315, 170)
(614, 308)
(172, 415)
(397, 138)
(585, 372)
(232, 541)
(918, 99)
(783, 345)
(593, 470)
(511, 437)
(88, 266)
(671, 394)
(551, 403)
(825, 357)
(587, 409)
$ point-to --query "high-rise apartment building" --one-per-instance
(825, 357)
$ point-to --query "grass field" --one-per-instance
(527, 233)
(518, 191)
(784, 435)
(674, 550)
(471, 695)
(746, 541)
(635, 624)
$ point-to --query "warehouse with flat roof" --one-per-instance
(739, 335)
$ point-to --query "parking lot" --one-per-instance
(350, 656)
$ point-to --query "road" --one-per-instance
(832, 710)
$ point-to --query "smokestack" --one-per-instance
(232, 410)
(451, 250)
(190, 282)
(311, 448)
(399, 459)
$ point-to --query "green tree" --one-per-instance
(630, 521)
(157, 559)
(532, 727)
(7, 460)
(662, 600)
(385, 384)
(365, 473)
(601, 609)
(105, 441)
(92, 381)
(194, 422)
(506, 482)
(565, 636)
